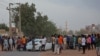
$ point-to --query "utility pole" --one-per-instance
(10, 26)
(66, 29)
(10, 21)
(20, 19)
(19, 22)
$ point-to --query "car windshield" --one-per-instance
(37, 40)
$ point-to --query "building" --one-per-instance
(93, 28)
(3, 32)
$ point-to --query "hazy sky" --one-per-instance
(77, 13)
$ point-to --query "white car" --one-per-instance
(38, 45)
(29, 45)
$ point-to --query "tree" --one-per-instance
(27, 18)
(83, 31)
(31, 24)
(70, 32)
(3, 26)
(44, 26)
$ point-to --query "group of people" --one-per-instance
(84, 41)
(57, 44)
(11, 43)
(19, 43)
(7, 43)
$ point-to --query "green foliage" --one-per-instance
(3, 26)
(32, 25)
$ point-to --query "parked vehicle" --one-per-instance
(29, 45)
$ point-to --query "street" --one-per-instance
(48, 53)
(17, 53)
(70, 53)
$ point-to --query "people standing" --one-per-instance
(14, 42)
(5, 44)
(24, 43)
(43, 43)
(74, 41)
(10, 42)
(65, 42)
(93, 40)
(71, 42)
(53, 42)
(33, 43)
(97, 44)
(79, 42)
(83, 43)
(57, 46)
(2, 42)
(60, 42)
(19, 43)
(88, 40)
(68, 41)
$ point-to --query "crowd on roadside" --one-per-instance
(19, 43)
(82, 42)
(59, 42)
(11, 43)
